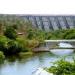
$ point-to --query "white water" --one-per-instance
(63, 51)
(65, 45)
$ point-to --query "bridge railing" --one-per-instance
(60, 40)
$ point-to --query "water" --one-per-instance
(29, 64)
(62, 52)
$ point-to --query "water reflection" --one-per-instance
(63, 51)
(29, 64)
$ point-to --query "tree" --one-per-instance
(10, 32)
(13, 47)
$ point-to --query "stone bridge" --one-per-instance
(51, 22)
(53, 44)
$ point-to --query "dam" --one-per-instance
(44, 22)
(48, 22)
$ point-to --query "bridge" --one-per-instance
(58, 41)
(47, 22)
(53, 44)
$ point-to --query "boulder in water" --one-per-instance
(41, 71)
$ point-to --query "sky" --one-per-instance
(53, 7)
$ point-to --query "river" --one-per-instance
(29, 64)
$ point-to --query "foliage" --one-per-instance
(3, 43)
(32, 44)
(61, 34)
(1, 56)
(63, 67)
(11, 47)
(23, 26)
(69, 34)
(10, 32)
(36, 35)
(23, 43)
(27, 45)
(57, 34)
(12, 43)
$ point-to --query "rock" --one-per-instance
(41, 71)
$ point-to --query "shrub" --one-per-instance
(10, 32)
(3, 43)
(1, 56)
(35, 34)
(26, 44)
(63, 67)
(33, 43)
(69, 34)
(13, 47)
(23, 43)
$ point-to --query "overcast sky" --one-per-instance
(37, 7)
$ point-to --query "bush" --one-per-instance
(10, 32)
(27, 45)
(63, 67)
(61, 34)
(23, 43)
(1, 56)
(33, 44)
(10, 47)
(69, 34)
(13, 47)
(35, 34)
(3, 43)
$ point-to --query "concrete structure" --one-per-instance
(55, 44)
(51, 22)
(45, 22)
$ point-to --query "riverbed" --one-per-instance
(29, 64)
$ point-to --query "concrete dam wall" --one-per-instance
(51, 22)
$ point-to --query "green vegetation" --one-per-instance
(12, 46)
(10, 32)
(51, 35)
(18, 38)
(61, 34)
(63, 67)
(1, 56)
(18, 35)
